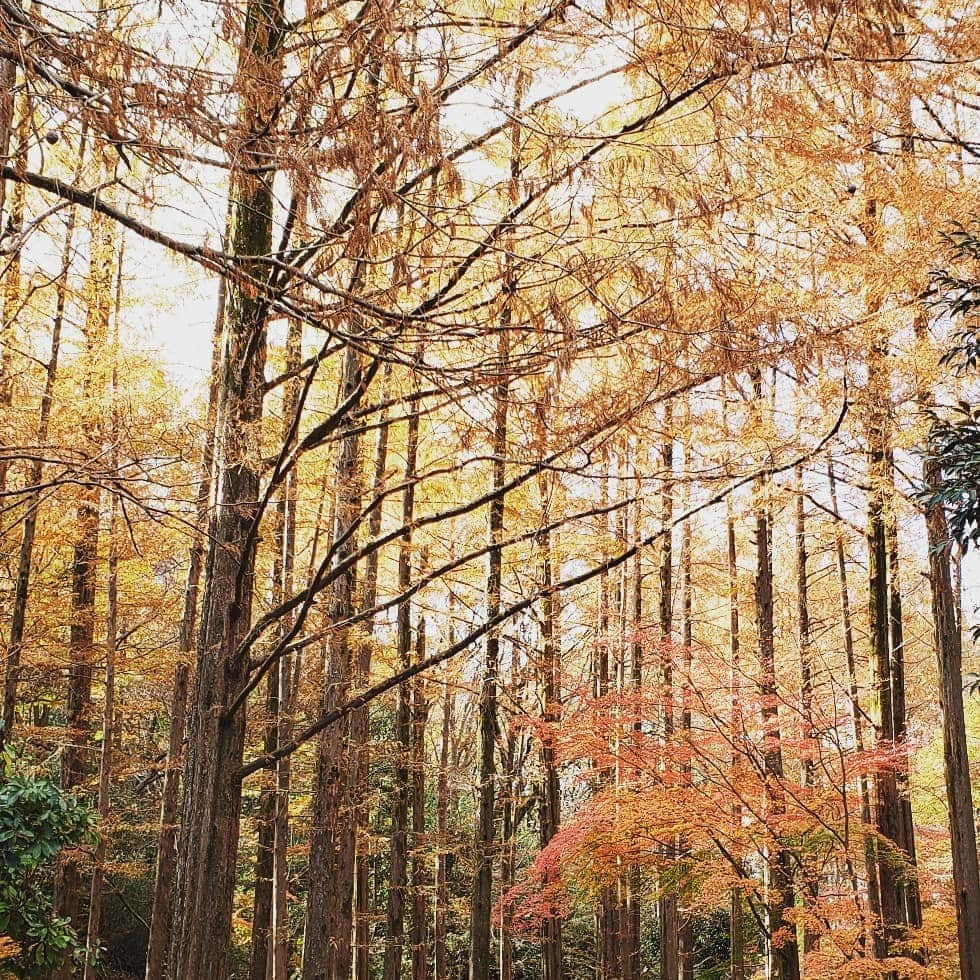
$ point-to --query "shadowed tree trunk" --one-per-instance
(887, 809)
(910, 891)
(550, 802)
(201, 937)
(811, 875)
(669, 920)
(442, 816)
(328, 929)
(398, 845)
(273, 809)
(360, 718)
(419, 935)
(784, 951)
(482, 897)
(736, 724)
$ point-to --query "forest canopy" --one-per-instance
(486, 489)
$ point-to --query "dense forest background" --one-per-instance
(485, 489)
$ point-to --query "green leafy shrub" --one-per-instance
(37, 820)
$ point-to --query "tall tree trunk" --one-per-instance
(12, 291)
(442, 818)
(359, 720)
(420, 709)
(273, 808)
(811, 883)
(328, 929)
(81, 642)
(105, 762)
(888, 810)
(166, 861)
(550, 808)
(857, 723)
(111, 634)
(736, 915)
(289, 669)
(606, 915)
(784, 951)
(398, 848)
(956, 758)
(669, 920)
(201, 934)
(686, 928)
(913, 905)
(18, 614)
(482, 899)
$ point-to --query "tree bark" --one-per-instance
(857, 726)
(111, 633)
(418, 938)
(328, 932)
(550, 808)
(162, 912)
(398, 845)
(784, 951)
(669, 918)
(480, 966)
(201, 934)
(359, 719)
(956, 758)
(887, 810)
(442, 823)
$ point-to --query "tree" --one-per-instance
(949, 466)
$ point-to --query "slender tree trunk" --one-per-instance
(482, 899)
(13, 224)
(273, 809)
(442, 820)
(105, 763)
(669, 918)
(956, 761)
(18, 614)
(420, 880)
(398, 849)
(201, 934)
(913, 905)
(550, 809)
(112, 631)
(359, 720)
(857, 722)
(736, 722)
(606, 914)
(811, 940)
(8, 79)
(686, 928)
(289, 668)
(887, 810)
(328, 930)
(784, 951)
(81, 642)
(736, 913)
(508, 828)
